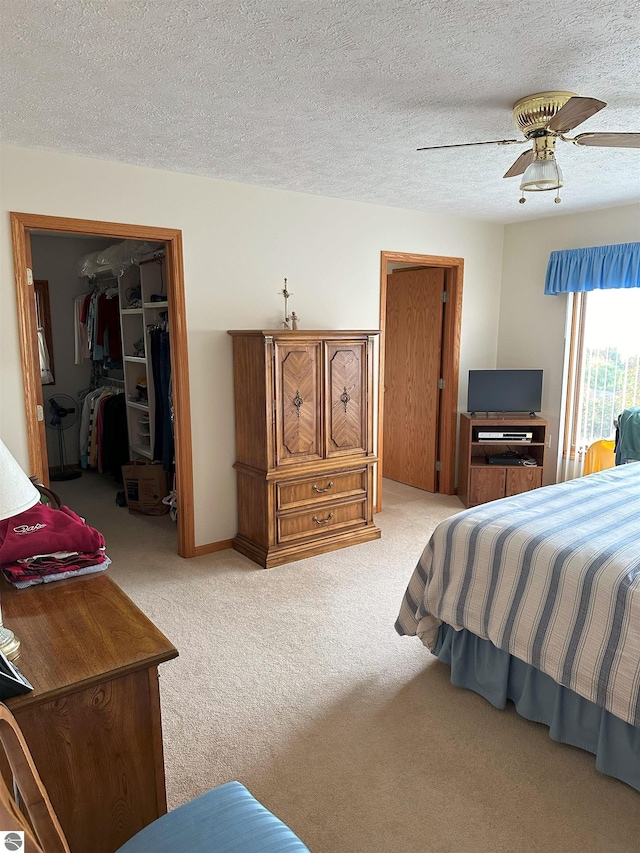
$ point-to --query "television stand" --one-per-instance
(502, 414)
(480, 482)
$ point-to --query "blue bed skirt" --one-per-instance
(479, 666)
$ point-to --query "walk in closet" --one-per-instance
(110, 354)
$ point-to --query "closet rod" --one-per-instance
(108, 382)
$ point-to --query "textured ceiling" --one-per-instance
(329, 97)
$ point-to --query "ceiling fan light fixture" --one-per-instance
(543, 119)
(542, 175)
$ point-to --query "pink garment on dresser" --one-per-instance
(43, 530)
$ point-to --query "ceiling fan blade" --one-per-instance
(465, 144)
(520, 165)
(574, 112)
(609, 140)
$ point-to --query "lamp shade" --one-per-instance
(17, 492)
(541, 175)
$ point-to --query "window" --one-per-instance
(604, 366)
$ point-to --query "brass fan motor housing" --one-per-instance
(533, 113)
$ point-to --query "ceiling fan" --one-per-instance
(544, 118)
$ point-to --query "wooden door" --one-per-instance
(346, 398)
(298, 399)
(413, 346)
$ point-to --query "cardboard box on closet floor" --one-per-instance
(145, 485)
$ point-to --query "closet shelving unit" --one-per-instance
(139, 313)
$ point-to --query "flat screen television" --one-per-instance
(505, 391)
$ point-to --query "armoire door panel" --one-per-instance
(346, 398)
(298, 400)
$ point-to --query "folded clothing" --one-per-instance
(43, 566)
(59, 576)
(42, 530)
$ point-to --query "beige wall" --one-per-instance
(532, 325)
(240, 242)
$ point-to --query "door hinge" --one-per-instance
(29, 277)
(39, 413)
(444, 296)
(441, 384)
(438, 465)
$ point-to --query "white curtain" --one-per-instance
(571, 457)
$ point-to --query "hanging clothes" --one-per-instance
(163, 448)
(115, 436)
(80, 335)
(104, 436)
(99, 322)
(108, 326)
(86, 425)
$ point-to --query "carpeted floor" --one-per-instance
(294, 681)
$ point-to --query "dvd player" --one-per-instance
(505, 435)
(512, 459)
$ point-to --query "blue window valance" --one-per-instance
(596, 268)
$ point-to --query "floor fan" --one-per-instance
(62, 413)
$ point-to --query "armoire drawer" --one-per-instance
(321, 487)
(321, 520)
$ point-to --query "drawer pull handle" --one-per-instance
(316, 489)
(345, 398)
(297, 402)
(324, 520)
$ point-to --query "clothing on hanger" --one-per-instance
(163, 448)
(104, 437)
(97, 323)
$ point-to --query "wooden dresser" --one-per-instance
(92, 721)
(304, 442)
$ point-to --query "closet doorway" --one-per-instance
(23, 226)
(420, 320)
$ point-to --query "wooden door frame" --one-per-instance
(21, 226)
(454, 269)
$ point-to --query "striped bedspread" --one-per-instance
(551, 576)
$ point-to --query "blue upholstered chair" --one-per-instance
(227, 819)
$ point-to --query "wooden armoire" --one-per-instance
(304, 442)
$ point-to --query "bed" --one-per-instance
(536, 599)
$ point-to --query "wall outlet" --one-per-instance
(549, 440)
